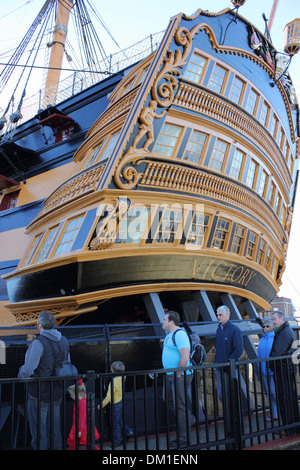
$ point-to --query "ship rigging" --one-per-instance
(52, 22)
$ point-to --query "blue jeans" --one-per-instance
(44, 425)
(118, 424)
(271, 394)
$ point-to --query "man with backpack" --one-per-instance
(176, 354)
(40, 361)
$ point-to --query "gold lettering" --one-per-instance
(213, 272)
(197, 269)
(236, 274)
(207, 269)
(228, 272)
(244, 275)
(237, 269)
(250, 277)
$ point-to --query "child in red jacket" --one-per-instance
(81, 418)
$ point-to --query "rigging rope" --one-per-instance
(43, 22)
(92, 51)
(9, 69)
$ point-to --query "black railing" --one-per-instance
(226, 402)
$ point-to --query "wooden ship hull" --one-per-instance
(180, 192)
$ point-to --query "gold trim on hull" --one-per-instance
(27, 313)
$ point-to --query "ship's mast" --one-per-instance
(272, 14)
(57, 51)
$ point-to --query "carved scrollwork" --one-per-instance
(106, 227)
(106, 231)
(163, 91)
(33, 315)
(129, 173)
(167, 80)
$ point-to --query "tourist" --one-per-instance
(81, 417)
(285, 371)
(117, 402)
(176, 355)
(229, 344)
(40, 362)
(263, 350)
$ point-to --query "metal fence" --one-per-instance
(226, 407)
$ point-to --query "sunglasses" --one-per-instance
(266, 326)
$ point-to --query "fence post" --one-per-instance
(90, 410)
(236, 415)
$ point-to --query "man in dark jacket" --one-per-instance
(285, 371)
(229, 343)
(40, 361)
(229, 339)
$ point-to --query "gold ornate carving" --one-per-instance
(146, 119)
(162, 91)
(107, 226)
(166, 81)
(114, 111)
(165, 91)
(31, 317)
(80, 185)
(134, 157)
(289, 218)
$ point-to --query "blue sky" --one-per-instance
(130, 21)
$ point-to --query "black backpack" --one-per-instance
(62, 368)
(197, 352)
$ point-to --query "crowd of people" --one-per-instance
(278, 378)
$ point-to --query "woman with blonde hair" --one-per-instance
(81, 417)
(263, 350)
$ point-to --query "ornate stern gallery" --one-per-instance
(183, 188)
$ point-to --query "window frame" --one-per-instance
(239, 238)
(214, 152)
(202, 230)
(197, 144)
(220, 87)
(242, 90)
(262, 188)
(9, 200)
(274, 125)
(252, 109)
(222, 239)
(130, 219)
(165, 137)
(241, 169)
(195, 65)
(255, 174)
(268, 259)
(108, 146)
(63, 231)
(174, 235)
(32, 250)
(251, 246)
(266, 115)
(261, 253)
(271, 194)
(36, 258)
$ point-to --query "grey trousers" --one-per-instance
(180, 398)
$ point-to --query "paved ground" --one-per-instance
(207, 436)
